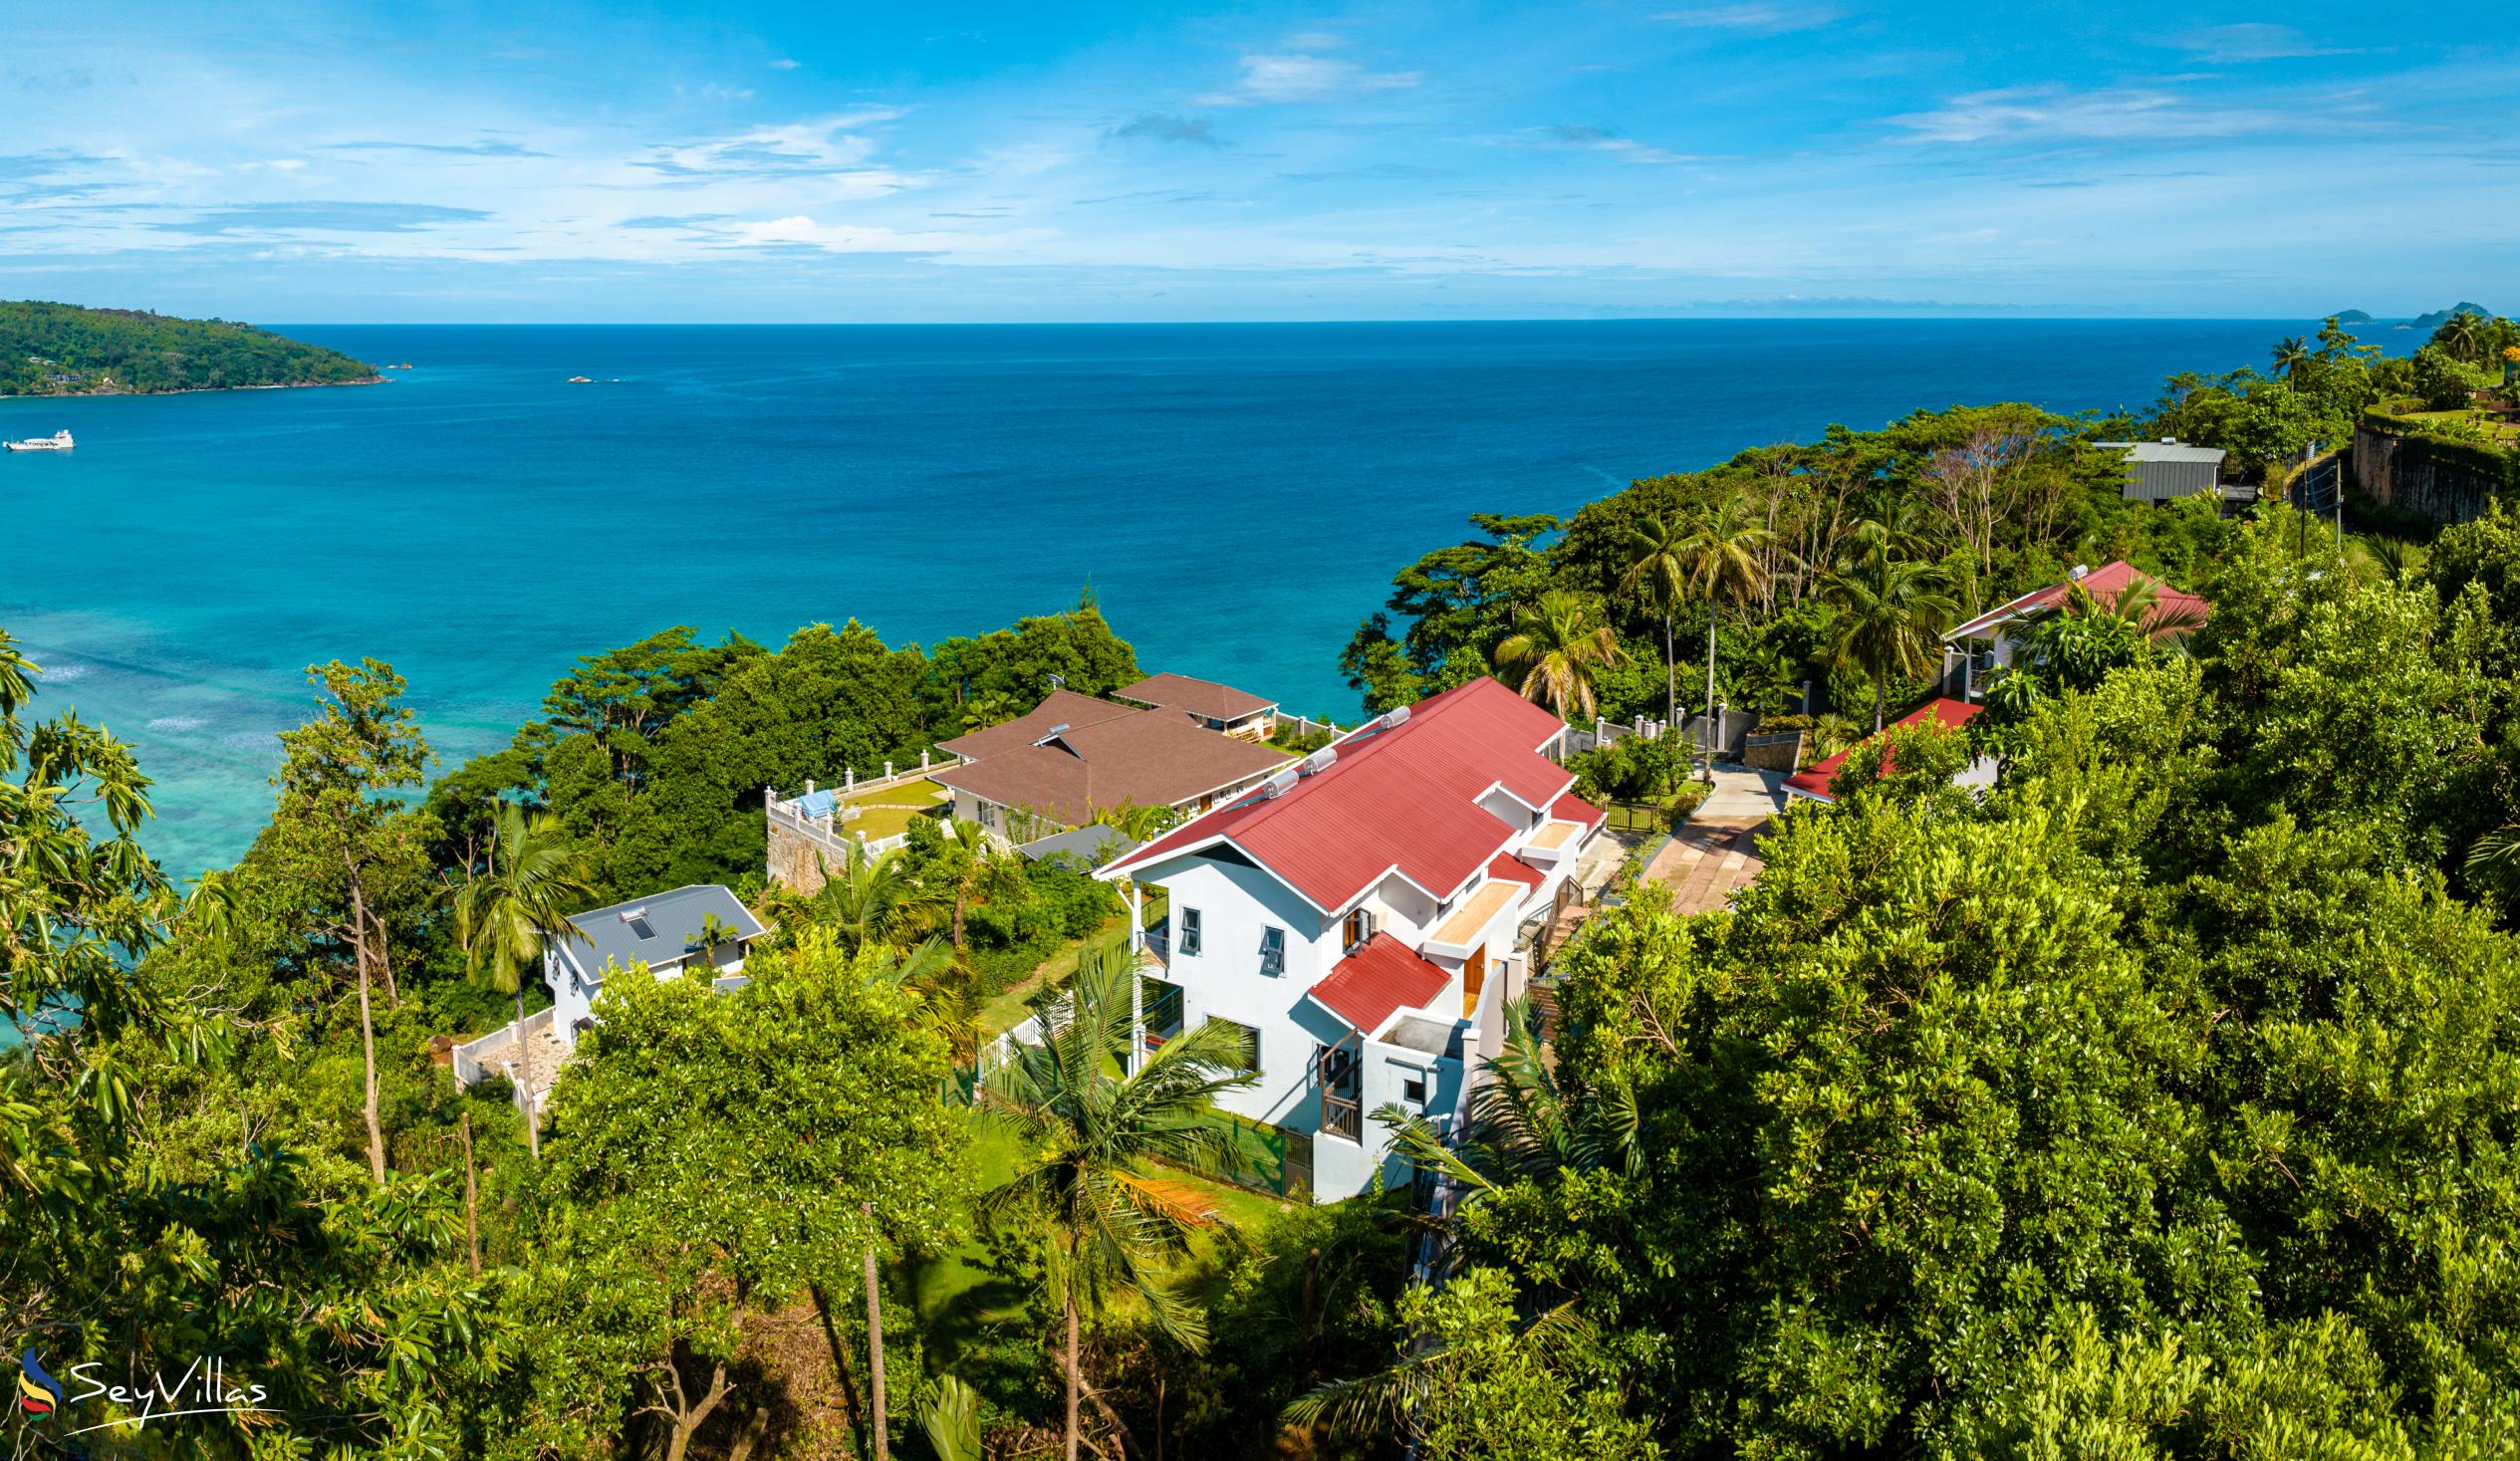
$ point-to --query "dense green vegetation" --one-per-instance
(2162, 1102)
(69, 350)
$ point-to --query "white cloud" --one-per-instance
(1305, 77)
(1758, 17)
(2112, 114)
(2251, 41)
(831, 147)
(786, 63)
(800, 230)
(1607, 143)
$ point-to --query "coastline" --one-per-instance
(189, 389)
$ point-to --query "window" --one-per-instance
(1360, 928)
(1413, 1091)
(1191, 932)
(1250, 1044)
(1273, 951)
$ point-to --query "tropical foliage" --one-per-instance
(62, 350)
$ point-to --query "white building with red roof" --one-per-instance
(1360, 916)
(1942, 712)
(1973, 652)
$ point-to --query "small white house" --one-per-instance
(1360, 916)
(1976, 650)
(663, 932)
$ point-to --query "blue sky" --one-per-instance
(624, 161)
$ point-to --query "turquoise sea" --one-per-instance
(1237, 496)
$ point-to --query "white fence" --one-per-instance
(828, 828)
(515, 1037)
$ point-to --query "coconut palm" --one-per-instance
(2138, 604)
(1558, 645)
(513, 909)
(1889, 619)
(1661, 568)
(974, 869)
(1724, 555)
(870, 898)
(2464, 335)
(2292, 356)
(1092, 1134)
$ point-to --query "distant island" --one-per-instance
(68, 350)
(2438, 318)
(2352, 316)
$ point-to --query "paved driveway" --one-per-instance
(1717, 854)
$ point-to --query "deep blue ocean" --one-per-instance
(1237, 496)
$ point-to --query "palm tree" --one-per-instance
(2292, 356)
(2464, 335)
(1558, 644)
(943, 998)
(508, 914)
(1662, 568)
(976, 869)
(870, 899)
(1891, 613)
(1723, 557)
(1523, 1124)
(1092, 1134)
(2138, 604)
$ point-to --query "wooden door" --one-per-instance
(1473, 979)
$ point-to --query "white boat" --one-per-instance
(58, 441)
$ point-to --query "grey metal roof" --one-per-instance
(1095, 844)
(672, 921)
(2171, 452)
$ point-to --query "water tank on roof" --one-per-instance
(1319, 762)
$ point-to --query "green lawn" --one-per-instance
(886, 811)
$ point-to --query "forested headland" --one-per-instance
(70, 349)
(2159, 1102)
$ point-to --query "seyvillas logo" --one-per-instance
(38, 1392)
(203, 1389)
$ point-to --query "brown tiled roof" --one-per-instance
(1145, 758)
(1059, 707)
(1198, 697)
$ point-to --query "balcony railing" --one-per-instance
(1342, 1116)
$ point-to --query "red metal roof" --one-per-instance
(2105, 583)
(1572, 807)
(1947, 713)
(1507, 865)
(1404, 796)
(1378, 979)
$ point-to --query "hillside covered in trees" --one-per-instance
(2159, 1102)
(70, 349)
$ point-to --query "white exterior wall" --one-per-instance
(1223, 981)
(573, 1000)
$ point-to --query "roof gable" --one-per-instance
(2103, 584)
(1143, 758)
(1401, 797)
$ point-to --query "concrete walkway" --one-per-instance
(1742, 798)
(1716, 854)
